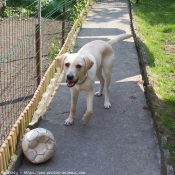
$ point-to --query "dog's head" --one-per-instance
(75, 67)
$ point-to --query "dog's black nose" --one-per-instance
(70, 77)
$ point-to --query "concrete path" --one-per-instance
(118, 141)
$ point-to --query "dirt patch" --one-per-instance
(170, 49)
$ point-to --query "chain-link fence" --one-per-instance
(31, 34)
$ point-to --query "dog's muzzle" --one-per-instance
(70, 80)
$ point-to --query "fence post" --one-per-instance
(38, 53)
(38, 45)
(63, 22)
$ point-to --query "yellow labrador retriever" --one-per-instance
(94, 59)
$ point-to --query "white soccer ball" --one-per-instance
(38, 145)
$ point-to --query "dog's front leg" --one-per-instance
(74, 98)
(89, 101)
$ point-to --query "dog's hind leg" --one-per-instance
(101, 79)
(107, 70)
(107, 77)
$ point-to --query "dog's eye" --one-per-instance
(67, 64)
(78, 66)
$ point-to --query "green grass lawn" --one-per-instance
(156, 27)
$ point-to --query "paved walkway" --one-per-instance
(118, 141)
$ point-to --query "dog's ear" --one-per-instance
(60, 60)
(88, 63)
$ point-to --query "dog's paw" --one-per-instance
(98, 94)
(85, 120)
(107, 105)
(68, 122)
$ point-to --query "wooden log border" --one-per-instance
(33, 110)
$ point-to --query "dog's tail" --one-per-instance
(119, 38)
